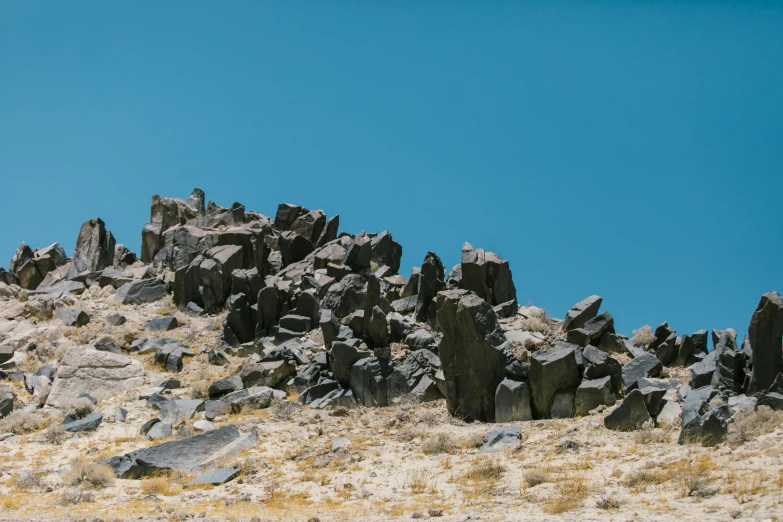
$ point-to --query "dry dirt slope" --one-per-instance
(401, 462)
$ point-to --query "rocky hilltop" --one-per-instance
(248, 367)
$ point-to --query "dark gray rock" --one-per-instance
(6, 403)
(270, 304)
(217, 357)
(378, 328)
(598, 326)
(359, 253)
(563, 404)
(6, 354)
(765, 333)
(346, 296)
(653, 398)
(415, 378)
(239, 326)
(94, 249)
(176, 412)
(430, 283)
(696, 403)
(772, 397)
(310, 225)
(708, 429)
(421, 339)
(270, 373)
(213, 409)
(342, 356)
(582, 312)
(667, 351)
(386, 251)
(512, 401)
(702, 372)
(691, 345)
(329, 232)
(72, 316)
(88, 423)
(474, 353)
(294, 248)
(161, 324)
(318, 392)
(593, 393)
(170, 357)
(160, 430)
(286, 215)
(141, 291)
(295, 323)
(147, 426)
(116, 319)
(308, 376)
(729, 375)
(646, 365)
(552, 370)
(631, 414)
(369, 381)
(225, 386)
(487, 275)
(599, 364)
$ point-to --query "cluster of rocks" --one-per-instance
(307, 307)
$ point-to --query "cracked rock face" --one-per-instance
(102, 374)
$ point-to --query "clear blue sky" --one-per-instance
(629, 149)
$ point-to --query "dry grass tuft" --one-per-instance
(538, 321)
(72, 496)
(89, 474)
(29, 480)
(439, 443)
(156, 486)
(570, 494)
(20, 422)
(651, 436)
(535, 476)
(749, 425)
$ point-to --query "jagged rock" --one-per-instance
(213, 409)
(599, 364)
(104, 374)
(415, 377)
(405, 305)
(708, 429)
(329, 232)
(164, 214)
(765, 333)
(419, 340)
(268, 374)
(653, 398)
(295, 323)
(552, 370)
(593, 329)
(487, 275)
(369, 381)
(646, 365)
(702, 372)
(88, 423)
(94, 249)
(176, 412)
(730, 366)
(563, 404)
(512, 401)
(662, 333)
(286, 215)
(411, 287)
(772, 397)
(142, 291)
(170, 357)
(691, 345)
(629, 415)
(430, 283)
(696, 403)
(6, 403)
(318, 391)
(345, 297)
(72, 316)
(592, 393)
(239, 326)
(309, 225)
(399, 327)
(225, 386)
(454, 279)
(335, 399)
(359, 253)
(378, 328)
(160, 430)
(472, 353)
(386, 251)
(581, 312)
(294, 247)
(308, 376)
(6, 354)
(161, 324)
(667, 351)
(342, 356)
(670, 415)
(253, 398)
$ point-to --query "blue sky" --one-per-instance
(629, 149)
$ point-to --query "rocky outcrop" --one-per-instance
(765, 333)
(94, 249)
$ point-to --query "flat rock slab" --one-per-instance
(143, 291)
(161, 324)
(214, 477)
(501, 438)
(90, 422)
(184, 455)
(103, 374)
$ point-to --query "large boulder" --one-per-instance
(102, 374)
(415, 377)
(765, 333)
(346, 296)
(487, 275)
(342, 356)
(552, 370)
(164, 214)
(185, 455)
(473, 352)
(772, 397)
(386, 252)
(600, 364)
(430, 283)
(593, 393)
(582, 312)
(646, 365)
(512, 401)
(141, 291)
(369, 381)
(729, 374)
(94, 249)
(631, 414)
(692, 346)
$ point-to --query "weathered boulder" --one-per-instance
(165, 213)
(629, 415)
(646, 365)
(592, 393)
(176, 412)
(690, 347)
(582, 312)
(342, 356)
(600, 364)
(415, 377)
(430, 283)
(369, 381)
(6, 403)
(512, 401)
(345, 297)
(472, 354)
(161, 324)
(94, 249)
(386, 251)
(239, 326)
(141, 291)
(170, 356)
(294, 247)
(72, 316)
(703, 371)
(103, 374)
(286, 215)
(552, 370)
(184, 455)
(421, 339)
(88, 423)
(772, 397)
(329, 232)
(730, 365)
(765, 333)
(708, 429)
(318, 392)
(487, 275)
(269, 373)
(225, 386)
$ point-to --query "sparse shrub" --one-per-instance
(570, 494)
(419, 482)
(748, 425)
(428, 418)
(200, 389)
(651, 436)
(156, 486)
(439, 443)
(643, 336)
(473, 441)
(72, 496)
(607, 503)
(29, 480)
(80, 407)
(485, 469)
(535, 476)
(55, 435)
(537, 321)
(284, 410)
(89, 474)
(20, 422)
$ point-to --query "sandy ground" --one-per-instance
(406, 461)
